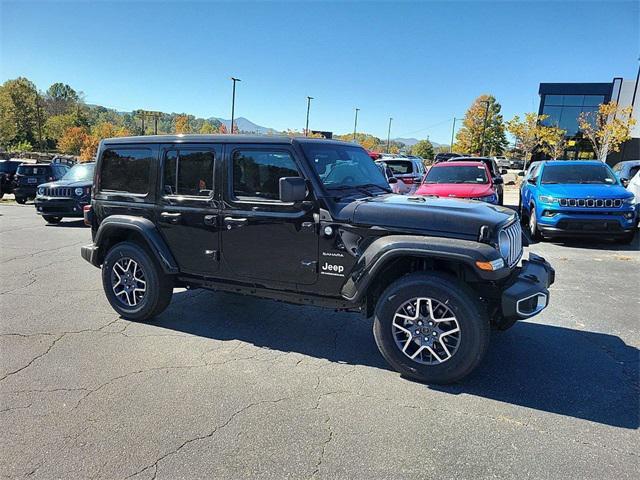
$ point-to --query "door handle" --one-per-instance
(210, 220)
(173, 218)
(231, 222)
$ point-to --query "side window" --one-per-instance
(126, 170)
(188, 173)
(533, 174)
(256, 173)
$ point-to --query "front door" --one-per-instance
(188, 208)
(264, 239)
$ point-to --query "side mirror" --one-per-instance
(498, 181)
(624, 182)
(520, 173)
(292, 189)
(392, 180)
(532, 181)
(503, 171)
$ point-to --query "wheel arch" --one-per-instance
(120, 228)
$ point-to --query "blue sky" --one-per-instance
(419, 62)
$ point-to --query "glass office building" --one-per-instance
(564, 102)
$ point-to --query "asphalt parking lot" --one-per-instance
(223, 386)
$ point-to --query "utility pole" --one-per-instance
(453, 131)
(484, 125)
(233, 100)
(355, 125)
(306, 128)
(39, 118)
(142, 113)
(389, 135)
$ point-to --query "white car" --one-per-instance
(634, 187)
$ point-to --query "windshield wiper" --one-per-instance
(369, 185)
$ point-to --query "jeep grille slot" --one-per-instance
(591, 202)
(58, 192)
(514, 233)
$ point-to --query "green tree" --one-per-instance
(423, 149)
(482, 128)
(60, 98)
(20, 115)
(530, 133)
(608, 128)
(207, 128)
(56, 125)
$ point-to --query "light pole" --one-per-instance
(355, 125)
(306, 128)
(453, 131)
(389, 135)
(233, 101)
(484, 125)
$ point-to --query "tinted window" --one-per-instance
(399, 167)
(577, 174)
(457, 174)
(257, 173)
(126, 170)
(188, 172)
(8, 167)
(28, 170)
(633, 171)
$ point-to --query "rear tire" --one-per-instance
(138, 291)
(446, 295)
(50, 219)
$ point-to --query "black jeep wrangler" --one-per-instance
(311, 222)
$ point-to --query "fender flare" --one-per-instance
(388, 248)
(146, 229)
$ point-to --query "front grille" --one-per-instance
(58, 192)
(591, 202)
(514, 233)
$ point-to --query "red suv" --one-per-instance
(470, 180)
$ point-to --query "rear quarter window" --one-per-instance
(400, 167)
(126, 170)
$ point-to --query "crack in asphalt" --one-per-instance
(56, 340)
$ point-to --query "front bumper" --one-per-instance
(528, 294)
(587, 223)
(27, 191)
(90, 254)
(60, 207)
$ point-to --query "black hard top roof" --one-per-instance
(196, 138)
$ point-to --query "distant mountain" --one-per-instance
(245, 125)
(410, 142)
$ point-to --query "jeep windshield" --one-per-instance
(577, 174)
(80, 173)
(343, 167)
(457, 174)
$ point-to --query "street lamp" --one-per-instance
(306, 128)
(453, 131)
(389, 135)
(484, 125)
(233, 100)
(355, 125)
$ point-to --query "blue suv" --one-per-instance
(576, 198)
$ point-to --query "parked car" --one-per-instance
(443, 157)
(626, 170)
(503, 162)
(66, 197)
(496, 173)
(576, 198)
(633, 186)
(468, 180)
(516, 163)
(30, 175)
(7, 175)
(310, 221)
(407, 170)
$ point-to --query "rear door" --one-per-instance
(264, 239)
(188, 212)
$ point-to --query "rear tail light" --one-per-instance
(86, 215)
(408, 180)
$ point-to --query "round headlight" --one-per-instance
(40, 190)
(79, 191)
(504, 245)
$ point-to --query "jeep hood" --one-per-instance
(584, 190)
(444, 216)
(67, 183)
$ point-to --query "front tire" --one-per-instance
(431, 328)
(50, 219)
(532, 222)
(134, 284)
(21, 200)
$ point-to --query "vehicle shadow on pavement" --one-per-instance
(581, 374)
(594, 244)
(570, 372)
(68, 224)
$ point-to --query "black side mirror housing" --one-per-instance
(520, 173)
(393, 180)
(498, 180)
(624, 182)
(532, 181)
(292, 189)
(503, 171)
